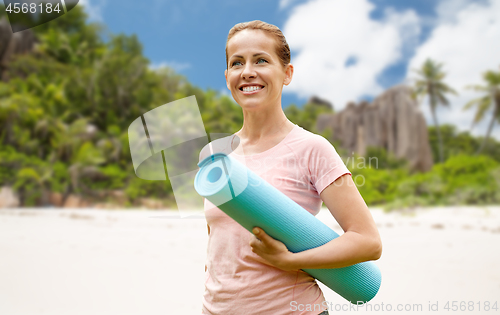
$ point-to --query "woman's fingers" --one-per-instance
(265, 243)
(273, 251)
(261, 235)
(254, 243)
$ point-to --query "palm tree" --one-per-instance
(430, 83)
(484, 103)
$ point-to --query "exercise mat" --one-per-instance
(251, 201)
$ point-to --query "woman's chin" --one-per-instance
(249, 103)
(251, 106)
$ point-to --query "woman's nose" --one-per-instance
(248, 72)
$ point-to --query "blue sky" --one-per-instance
(366, 45)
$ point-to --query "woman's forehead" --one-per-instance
(250, 41)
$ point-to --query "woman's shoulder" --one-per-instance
(305, 140)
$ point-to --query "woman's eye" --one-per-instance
(236, 63)
(259, 61)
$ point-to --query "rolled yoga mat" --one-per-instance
(251, 201)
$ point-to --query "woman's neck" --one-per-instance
(261, 125)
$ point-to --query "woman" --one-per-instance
(256, 274)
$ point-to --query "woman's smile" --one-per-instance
(249, 89)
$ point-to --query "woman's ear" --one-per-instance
(288, 74)
(227, 82)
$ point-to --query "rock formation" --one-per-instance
(392, 121)
(8, 198)
(320, 102)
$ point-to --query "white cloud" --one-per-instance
(338, 51)
(447, 10)
(285, 3)
(177, 66)
(408, 26)
(468, 43)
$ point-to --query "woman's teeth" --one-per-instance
(251, 88)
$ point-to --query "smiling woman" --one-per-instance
(250, 275)
(257, 68)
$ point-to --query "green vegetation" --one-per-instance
(307, 115)
(67, 106)
(462, 179)
(455, 143)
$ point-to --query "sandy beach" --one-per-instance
(87, 261)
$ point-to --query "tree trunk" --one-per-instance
(434, 117)
(490, 128)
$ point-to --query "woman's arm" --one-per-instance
(360, 241)
(208, 228)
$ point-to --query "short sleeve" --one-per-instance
(206, 151)
(325, 164)
(222, 145)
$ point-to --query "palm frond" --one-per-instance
(477, 88)
(442, 99)
(482, 105)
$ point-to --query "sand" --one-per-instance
(87, 261)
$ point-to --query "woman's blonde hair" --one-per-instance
(282, 48)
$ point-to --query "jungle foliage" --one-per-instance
(66, 108)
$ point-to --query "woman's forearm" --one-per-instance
(348, 249)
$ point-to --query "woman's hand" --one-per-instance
(273, 251)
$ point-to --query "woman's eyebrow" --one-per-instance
(254, 55)
(260, 53)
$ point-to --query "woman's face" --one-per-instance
(255, 74)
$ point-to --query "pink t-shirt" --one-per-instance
(238, 281)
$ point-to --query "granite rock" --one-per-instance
(392, 121)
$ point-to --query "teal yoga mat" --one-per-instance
(251, 201)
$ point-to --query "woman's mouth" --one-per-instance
(251, 89)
